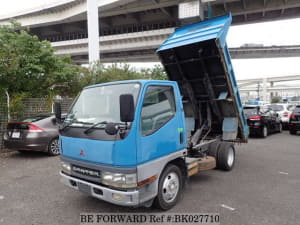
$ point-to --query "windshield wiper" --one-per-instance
(71, 123)
(94, 125)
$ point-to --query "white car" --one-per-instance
(284, 111)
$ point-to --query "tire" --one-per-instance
(292, 131)
(24, 151)
(53, 147)
(264, 132)
(280, 128)
(226, 156)
(169, 187)
(213, 151)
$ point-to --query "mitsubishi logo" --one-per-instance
(82, 152)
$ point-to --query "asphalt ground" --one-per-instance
(263, 188)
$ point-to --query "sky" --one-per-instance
(284, 32)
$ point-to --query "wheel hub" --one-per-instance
(54, 147)
(170, 187)
(230, 158)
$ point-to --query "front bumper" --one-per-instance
(255, 130)
(30, 145)
(126, 198)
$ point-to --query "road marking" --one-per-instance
(1, 197)
(283, 173)
(227, 207)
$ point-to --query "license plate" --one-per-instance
(84, 188)
(15, 135)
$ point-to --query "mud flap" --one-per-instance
(230, 128)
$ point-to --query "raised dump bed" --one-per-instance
(197, 57)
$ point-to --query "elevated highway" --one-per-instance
(266, 87)
(271, 80)
(130, 30)
(140, 47)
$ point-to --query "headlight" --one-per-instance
(65, 167)
(119, 180)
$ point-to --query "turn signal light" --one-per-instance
(147, 180)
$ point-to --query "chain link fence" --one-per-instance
(30, 107)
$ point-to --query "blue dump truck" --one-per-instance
(136, 143)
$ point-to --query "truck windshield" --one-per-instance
(100, 105)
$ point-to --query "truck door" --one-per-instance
(160, 124)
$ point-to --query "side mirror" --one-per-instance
(126, 108)
(57, 110)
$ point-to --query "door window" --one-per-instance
(158, 108)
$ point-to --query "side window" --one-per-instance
(158, 108)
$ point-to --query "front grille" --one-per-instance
(86, 171)
(87, 174)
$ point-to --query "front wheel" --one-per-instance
(53, 147)
(169, 187)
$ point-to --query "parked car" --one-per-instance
(284, 111)
(262, 121)
(294, 124)
(37, 133)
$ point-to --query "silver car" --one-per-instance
(37, 133)
(284, 111)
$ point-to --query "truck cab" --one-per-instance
(136, 142)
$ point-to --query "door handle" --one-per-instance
(181, 137)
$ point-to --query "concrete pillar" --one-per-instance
(272, 85)
(93, 30)
(265, 93)
(191, 11)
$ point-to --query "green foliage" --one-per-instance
(275, 99)
(16, 105)
(99, 73)
(156, 73)
(295, 98)
(28, 65)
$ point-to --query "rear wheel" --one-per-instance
(280, 128)
(292, 131)
(226, 156)
(264, 132)
(213, 151)
(53, 147)
(169, 187)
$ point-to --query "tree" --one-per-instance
(155, 73)
(275, 99)
(29, 66)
